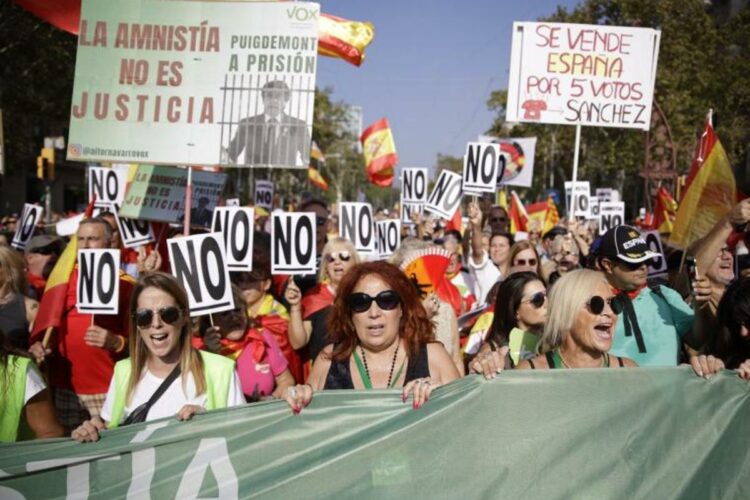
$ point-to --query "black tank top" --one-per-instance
(339, 376)
(13, 321)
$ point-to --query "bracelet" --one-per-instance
(121, 344)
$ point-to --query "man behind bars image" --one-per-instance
(273, 137)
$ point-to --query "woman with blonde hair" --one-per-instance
(17, 310)
(308, 314)
(581, 318)
(165, 375)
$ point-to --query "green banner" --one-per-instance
(613, 433)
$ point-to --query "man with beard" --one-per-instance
(654, 320)
(41, 256)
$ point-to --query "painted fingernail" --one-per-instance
(414, 405)
(403, 398)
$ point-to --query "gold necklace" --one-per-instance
(566, 365)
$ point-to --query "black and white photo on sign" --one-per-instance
(236, 225)
(199, 263)
(232, 202)
(407, 209)
(611, 214)
(107, 185)
(133, 232)
(446, 195)
(293, 249)
(30, 217)
(389, 237)
(264, 194)
(357, 224)
(580, 197)
(481, 163)
(414, 185)
(658, 265)
(98, 286)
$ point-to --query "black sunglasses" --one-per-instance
(632, 266)
(524, 262)
(48, 250)
(498, 219)
(320, 221)
(343, 255)
(168, 315)
(538, 299)
(596, 304)
(386, 300)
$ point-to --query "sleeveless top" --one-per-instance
(13, 321)
(339, 376)
(555, 361)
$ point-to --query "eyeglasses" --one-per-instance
(344, 256)
(537, 300)
(320, 221)
(168, 315)
(526, 262)
(48, 250)
(386, 300)
(498, 219)
(596, 304)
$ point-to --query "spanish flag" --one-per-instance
(552, 217)
(380, 153)
(517, 214)
(343, 38)
(537, 213)
(710, 193)
(313, 170)
(665, 209)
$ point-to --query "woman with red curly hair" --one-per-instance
(381, 338)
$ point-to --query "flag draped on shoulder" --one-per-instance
(517, 214)
(313, 171)
(338, 37)
(710, 191)
(380, 153)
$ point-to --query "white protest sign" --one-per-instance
(581, 195)
(414, 185)
(607, 194)
(108, 185)
(389, 237)
(30, 217)
(446, 195)
(357, 224)
(199, 263)
(407, 209)
(293, 243)
(516, 161)
(582, 74)
(98, 287)
(611, 214)
(264, 194)
(658, 264)
(133, 232)
(232, 202)
(593, 208)
(481, 163)
(236, 225)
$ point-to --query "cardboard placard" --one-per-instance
(199, 263)
(611, 214)
(389, 237)
(293, 243)
(30, 217)
(98, 287)
(357, 224)
(658, 264)
(236, 225)
(414, 185)
(264, 194)
(446, 195)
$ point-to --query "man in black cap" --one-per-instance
(654, 320)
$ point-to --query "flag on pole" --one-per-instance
(338, 37)
(313, 170)
(710, 191)
(380, 153)
(665, 209)
(517, 214)
(552, 217)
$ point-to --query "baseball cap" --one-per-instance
(625, 243)
(43, 241)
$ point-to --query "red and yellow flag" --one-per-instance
(552, 217)
(380, 153)
(313, 170)
(338, 37)
(710, 193)
(537, 213)
(665, 209)
(517, 214)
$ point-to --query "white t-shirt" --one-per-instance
(34, 383)
(173, 399)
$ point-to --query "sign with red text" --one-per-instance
(582, 74)
(204, 83)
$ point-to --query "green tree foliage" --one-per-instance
(703, 63)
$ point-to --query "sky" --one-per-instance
(430, 68)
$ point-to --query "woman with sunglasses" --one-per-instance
(381, 339)
(163, 360)
(519, 315)
(308, 314)
(580, 325)
(523, 257)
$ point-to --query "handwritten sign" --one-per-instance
(582, 74)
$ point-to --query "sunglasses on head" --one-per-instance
(344, 256)
(168, 315)
(596, 304)
(386, 300)
(526, 262)
(538, 299)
